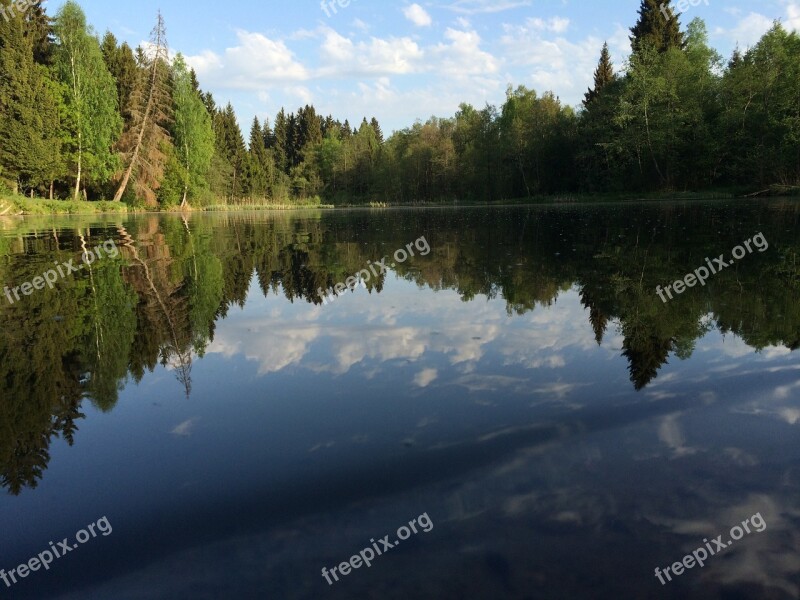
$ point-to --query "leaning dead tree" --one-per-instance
(151, 108)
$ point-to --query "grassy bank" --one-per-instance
(18, 205)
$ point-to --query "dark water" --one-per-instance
(520, 390)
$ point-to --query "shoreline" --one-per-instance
(11, 207)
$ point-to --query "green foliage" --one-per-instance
(674, 121)
(193, 136)
(658, 27)
(29, 120)
(92, 122)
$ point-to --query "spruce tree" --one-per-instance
(281, 141)
(378, 131)
(121, 63)
(603, 75)
(144, 141)
(29, 111)
(257, 157)
(658, 26)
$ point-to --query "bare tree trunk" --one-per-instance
(160, 42)
(80, 166)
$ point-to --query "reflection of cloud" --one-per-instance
(184, 429)
(273, 347)
(759, 558)
(559, 390)
(784, 391)
(790, 415)
(670, 432)
(425, 377)
(492, 383)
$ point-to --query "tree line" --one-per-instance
(89, 118)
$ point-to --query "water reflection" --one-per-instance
(159, 303)
(523, 383)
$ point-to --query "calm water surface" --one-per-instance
(521, 384)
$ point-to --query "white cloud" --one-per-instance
(471, 7)
(417, 15)
(747, 31)
(463, 55)
(256, 62)
(556, 24)
(342, 57)
(792, 15)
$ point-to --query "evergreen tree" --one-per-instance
(29, 111)
(267, 135)
(377, 128)
(151, 111)
(40, 29)
(121, 63)
(90, 98)
(658, 26)
(231, 153)
(603, 75)
(257, 157)
(281, 142)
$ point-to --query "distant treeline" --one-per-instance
(87, 118)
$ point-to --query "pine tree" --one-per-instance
(30, 142)
(151, 111)
(90, 97)
(267, 135)
(658, 26)
(231, 151)
(281, 141)
(121, 63)
(378, 131)
(40, 28)
(257, 158)
(603, 75)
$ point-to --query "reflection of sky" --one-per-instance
(401, 324)
(312, 429)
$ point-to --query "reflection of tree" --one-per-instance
(40, 367)
(176, 353)
(160, 301)
(113, 329)
(597, 318)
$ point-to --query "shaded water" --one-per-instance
(522, 384)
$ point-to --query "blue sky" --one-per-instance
(403, 61)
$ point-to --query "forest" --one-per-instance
(88, 118)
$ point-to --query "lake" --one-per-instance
(505, 407)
